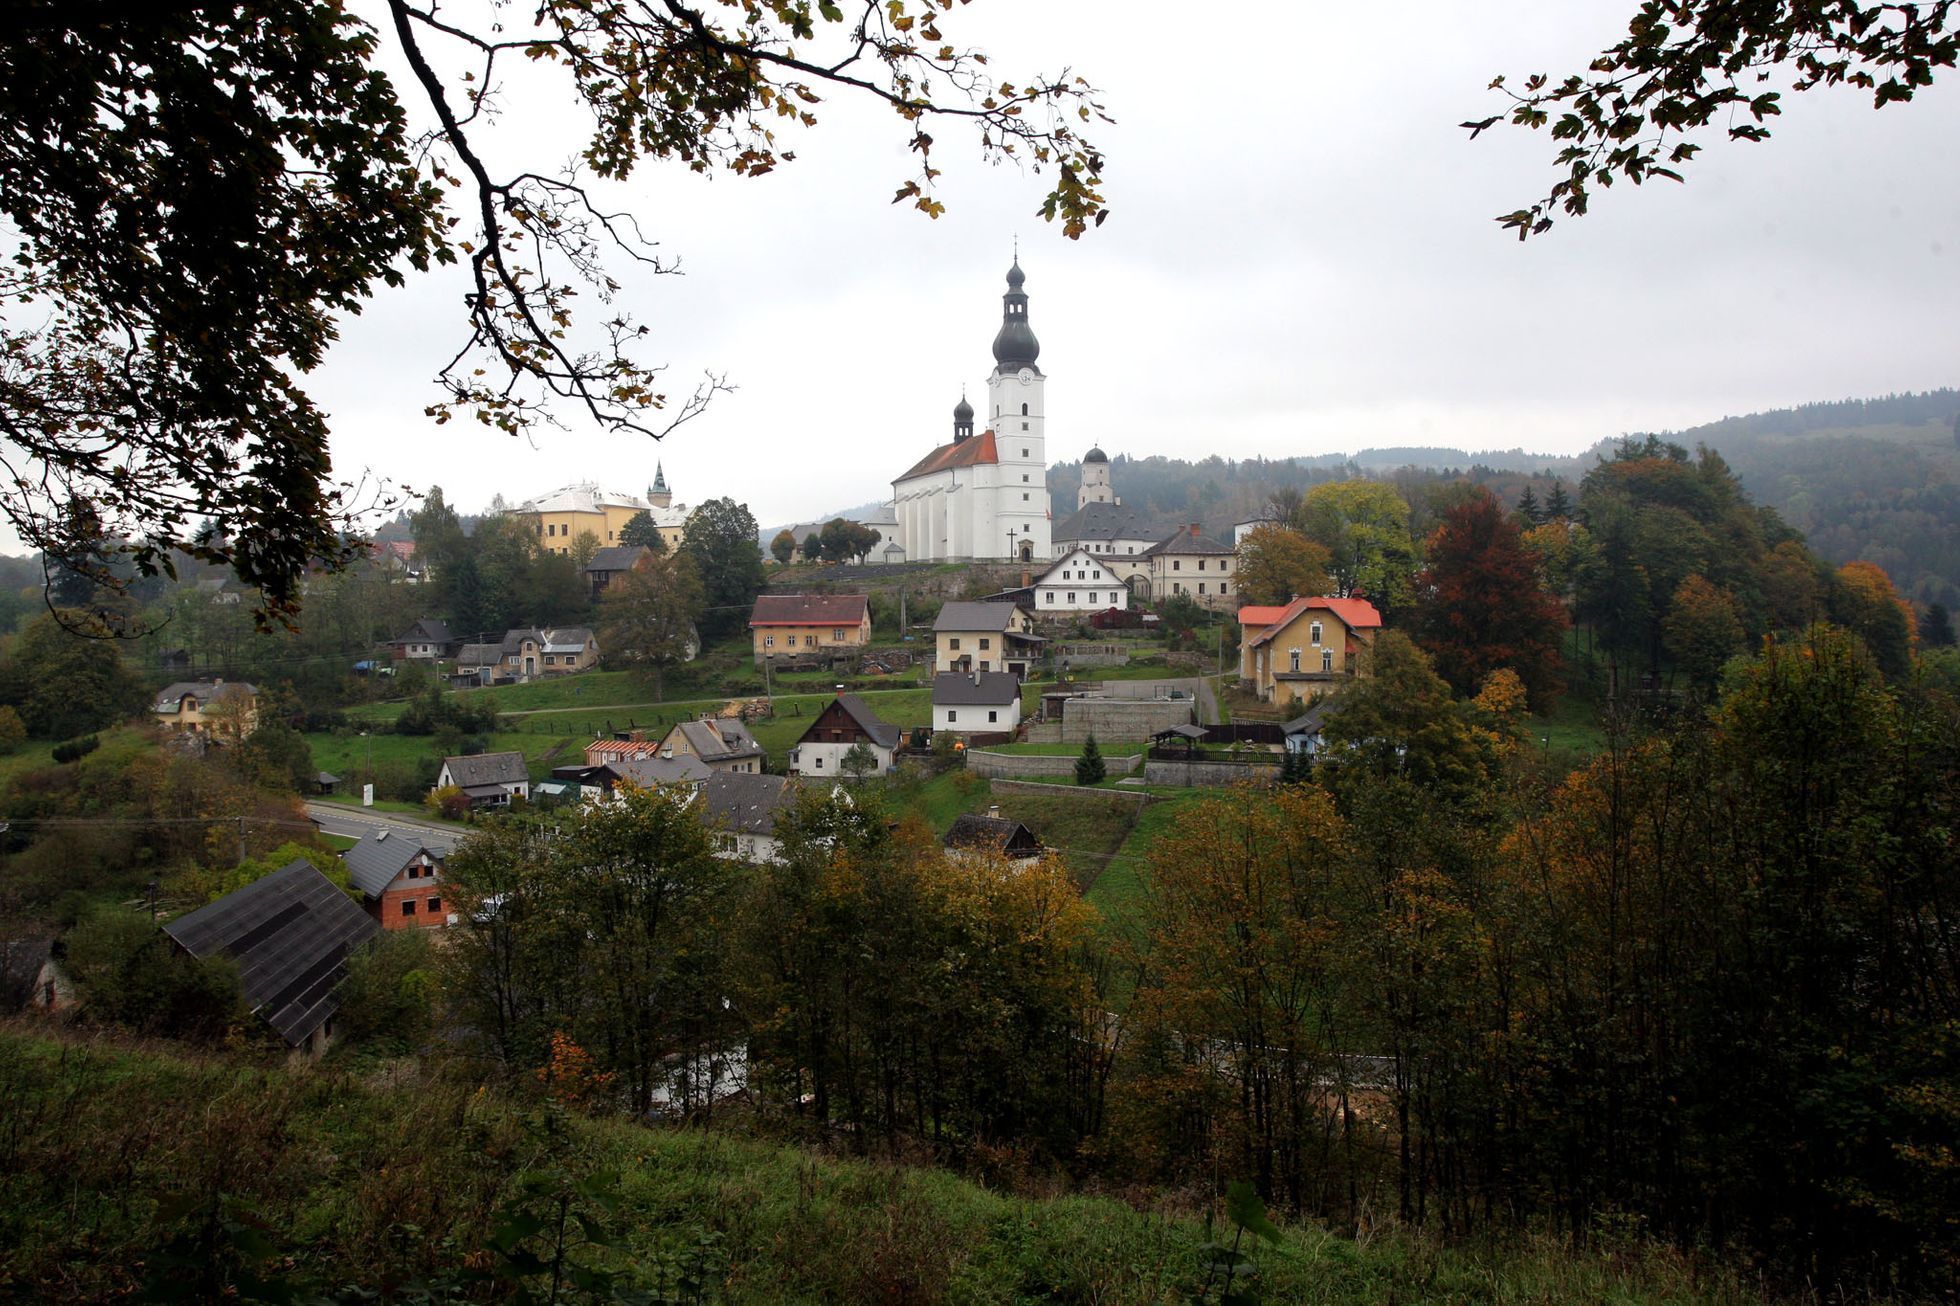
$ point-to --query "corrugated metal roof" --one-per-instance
(290, 934)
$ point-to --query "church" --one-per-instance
(984, 498)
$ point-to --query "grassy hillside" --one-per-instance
(122, 1167)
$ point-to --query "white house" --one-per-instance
(740, 812)
(487, 779)
(840, 727)
(976, 702)
(1079, 582)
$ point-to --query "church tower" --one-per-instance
(1016, 413)
(658, 494)
(1095, 481)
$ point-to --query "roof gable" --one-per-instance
(1354, 614)
(856, 711)
(969, 452)
(1074, 558)
(290, 934)
(974, 689)
(379, 857)
(982, 615)
(809, 610)
(745, 804)
(487, 769)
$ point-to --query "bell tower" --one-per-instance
(1016, 412)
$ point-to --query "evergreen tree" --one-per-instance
(1090, 769)
(639, 529)
(1528, 507)
(1558, 507)
(1936, 627)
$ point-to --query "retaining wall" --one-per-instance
(1137, 796)
(997, 766)
(1120, 720)
(1209, 774)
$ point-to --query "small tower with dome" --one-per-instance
(658, 495)
(1095, 480)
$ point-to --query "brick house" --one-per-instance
(784, 624)
(400, 880)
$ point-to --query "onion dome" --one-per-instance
(962, 420)
(1095, 456)
(1015, 346)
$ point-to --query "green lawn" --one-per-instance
(1086, 831)
(1118, 893)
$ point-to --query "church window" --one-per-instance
(1024, 413)
(1024, 478)
(1024, 452)
(1024, 426)
(1024, 496)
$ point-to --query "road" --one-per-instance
(353, 822)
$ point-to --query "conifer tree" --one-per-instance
(1090, 768)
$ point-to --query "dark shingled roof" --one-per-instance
(644, 771)
(171, 697)
(809, 610)
(487, 769)
(427, 631)
(958, 689)
(992, 834)
(1109, 521)
(745, 804)
(618, 557)
(374, 862)
(719, 739)
(956, 615)
(883, 733)
(1185, 543)
(290, 934)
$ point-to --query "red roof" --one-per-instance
(1355, 614)
(809, 610)
(1254, 616)
(960, 453)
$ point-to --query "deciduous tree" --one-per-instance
(261, 177)
(1364, 526)
(721, 538)
(1481, 605)
(1278, 564)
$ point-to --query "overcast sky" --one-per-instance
(1300, 259)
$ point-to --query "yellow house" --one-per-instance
(563, 515)
(1307, 648)
(789, 624)
(197, 707)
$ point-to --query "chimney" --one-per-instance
(1194, 530)
(976, 677)
(994, 811)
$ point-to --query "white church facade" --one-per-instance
(984, 497)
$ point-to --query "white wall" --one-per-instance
(965, 720)
(827, 759)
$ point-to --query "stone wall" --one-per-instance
(1007, 766)
(1137, 796)
(1119, 720)
(1210, 774)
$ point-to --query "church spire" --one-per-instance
(962, 420)
(1015, 346)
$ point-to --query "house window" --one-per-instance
(1296, 659)
(435, 904)
(1313, 633)
(951, 716)
(792, 641)
(1048, 596)
(1223, 588)
(838, 634)
(1092, 596)
(768, 641)
(992, 715)
(953, 643)
(985, 642)
(1071, 596)
(1201, 564)
(1201, 584)
(1176, 565)
(408, 906)
(1327, 659)
(819, 764)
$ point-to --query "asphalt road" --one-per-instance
(353, 822)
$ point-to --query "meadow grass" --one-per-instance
(116, 1153)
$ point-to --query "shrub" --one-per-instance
(76, 749)
(13, 732)
(1090, 769)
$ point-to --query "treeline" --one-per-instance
(1704, 989)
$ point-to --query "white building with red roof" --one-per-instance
(984, 497)
(1300, 651)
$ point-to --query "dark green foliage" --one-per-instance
(783, 546)
(721, 538)
(1090, 769)
(1936, 626)
(639, 529)
(434, 710)
(75, 749)
(65, 683)
(388, 998)
(131, 974)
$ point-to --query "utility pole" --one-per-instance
(241, 841)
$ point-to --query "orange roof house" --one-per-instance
(788, 624)
(1305, 649)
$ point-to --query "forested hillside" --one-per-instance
(1876, 480)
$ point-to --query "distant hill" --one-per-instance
(1873, 479)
